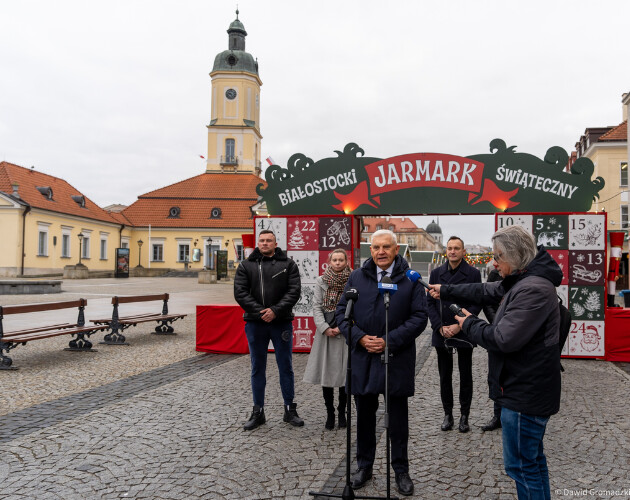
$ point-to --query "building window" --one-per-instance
(124, 244)
(42, 246)
(85, 249)
(240, 252)
(184, 253)
(366, 227)
(157, 255)
(623, 178)
(65, 245)
(230, 146)
(624, 216)
(379, 227)
(391, 228)
(103, 248)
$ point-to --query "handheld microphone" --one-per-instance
(456, 310)
(415, 276)
(352, 295)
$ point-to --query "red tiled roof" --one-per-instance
(233, 194)
(193, 213)
(29, 180)
(397, 222)
(211, 186)
(618, 133)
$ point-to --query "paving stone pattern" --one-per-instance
(173, 430)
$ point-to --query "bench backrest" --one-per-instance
(138, 298)
(46, 306)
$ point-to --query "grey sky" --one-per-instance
(114, 96)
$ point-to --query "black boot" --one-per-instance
(447, 424)
(257, 418)
(342, 408)
(463, 424)
(291, 416)
(330, 407)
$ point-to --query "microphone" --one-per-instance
(415, 276)
(352, 295)
(456, 310)
(386, 288)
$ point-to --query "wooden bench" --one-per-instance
(10, 340)
(118, 324)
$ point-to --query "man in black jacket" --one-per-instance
(267, 286)
(447, 334)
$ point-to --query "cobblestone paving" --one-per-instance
(172, 429)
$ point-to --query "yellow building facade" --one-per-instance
(42, 217)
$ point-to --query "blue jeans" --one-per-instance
(523, 455)
(281, 335)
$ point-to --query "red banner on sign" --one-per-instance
(424, 170)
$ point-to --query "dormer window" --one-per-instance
(215, 213)
(173, 213)
(79, 199)
(46, 191)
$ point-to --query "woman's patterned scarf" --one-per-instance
(336, 283)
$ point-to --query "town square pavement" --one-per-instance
(158, 420)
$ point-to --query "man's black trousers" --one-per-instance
(445, 367)
(398, 431)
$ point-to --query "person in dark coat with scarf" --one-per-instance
(407, 319)
(448, 335)
(523, 351)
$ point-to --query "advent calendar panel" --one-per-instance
(308, 264)
(277, 225)
(308, 241)
(302, 234)
(551, 231)
(577, 242)
(562, 259)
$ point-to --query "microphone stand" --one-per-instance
(386, 416)
(348, 492)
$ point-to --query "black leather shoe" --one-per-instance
(360, 477)
(404, 483)
(257, 418)
(493, 423)
(447, 424)
(291, 416)
(463, 424)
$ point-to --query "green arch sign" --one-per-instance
(420, 183)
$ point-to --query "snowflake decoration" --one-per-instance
(589, 315)
(552, 220)
(561, 256)
(580, 257)
(584, 291)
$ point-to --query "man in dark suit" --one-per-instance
(407, 319)
(447, 334)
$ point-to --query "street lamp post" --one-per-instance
(80, 235)
(140, 242)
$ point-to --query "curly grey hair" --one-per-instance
(514, 245)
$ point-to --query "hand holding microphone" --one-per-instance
(460, 314)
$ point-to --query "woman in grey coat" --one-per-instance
(327, 361)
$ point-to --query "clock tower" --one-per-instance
(234, 129)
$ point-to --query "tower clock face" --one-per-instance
(230, 94)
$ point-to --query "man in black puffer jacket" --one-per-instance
(267, 286)
(523, 351)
